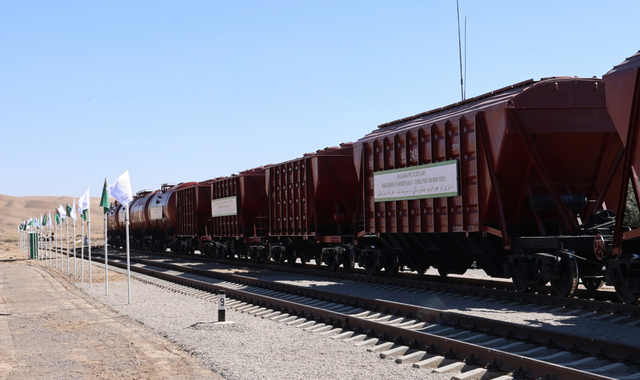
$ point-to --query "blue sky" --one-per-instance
(187, 91)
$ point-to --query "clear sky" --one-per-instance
(177, 91)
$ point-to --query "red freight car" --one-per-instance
(193, 210)
(238, 212)
(312, 204)
(623, 103)
(504, 180)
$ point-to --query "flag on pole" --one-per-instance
(121, 189)
(44, 220)
(62, 212)
(71, 210)
(50, 221)
(57, 216)
(83, 204)
(104, 201)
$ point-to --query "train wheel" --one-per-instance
(391, 266)
(292, 256)
(371, 270)
(592, 284)
(625, 294)
(519, 285)
(566, 285)
(348, 260)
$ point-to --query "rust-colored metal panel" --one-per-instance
(548, 137)
(313, 196)
(239, 205)
(623, 103)
(193, 208)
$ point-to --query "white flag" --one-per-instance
(49, 221)
(72, 214)
(121, 189)
(62, 211)
(83, 202)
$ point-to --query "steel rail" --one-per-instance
(503, 360)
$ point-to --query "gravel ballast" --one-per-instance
(251, 347)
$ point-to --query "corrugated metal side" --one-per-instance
(187, 211)
(254, 208)
(289, 199)
(226, 226)
(442, 141)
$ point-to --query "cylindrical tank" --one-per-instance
(112, 218)
(162, 211)
(138, 215)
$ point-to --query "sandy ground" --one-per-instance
(50, 330)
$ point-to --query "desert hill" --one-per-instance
(15, 210)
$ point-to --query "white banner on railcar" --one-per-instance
(224, 207)
(416, 182)
(155, 212)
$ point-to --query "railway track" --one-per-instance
(600, 302)
(423, 337)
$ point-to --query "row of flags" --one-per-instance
(62, 213)
(120, 190)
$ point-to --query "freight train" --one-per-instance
(529, 182)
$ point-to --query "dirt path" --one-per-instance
(50, 330)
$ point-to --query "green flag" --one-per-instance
(44, 220)
(83, 215)
(104, 201)
(57, 217)
(68, 210)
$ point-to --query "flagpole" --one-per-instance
(55, 239)
(106, 259)
(46, 244)
(128, 258)
(68, 250)
(82, 249)
(59, 246)
(75, 259)
(89, 227)
(40, 254)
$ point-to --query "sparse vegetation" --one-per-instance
(631, 212)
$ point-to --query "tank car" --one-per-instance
(519, 181)
(116, 234)
(139, 224)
